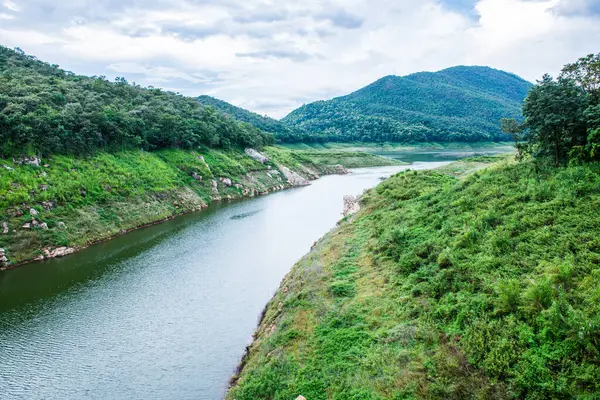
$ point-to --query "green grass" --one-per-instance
(445, 286)
(84, 200)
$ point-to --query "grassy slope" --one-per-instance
(96, 198)
(483, 286)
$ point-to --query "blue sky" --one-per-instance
(271, 56)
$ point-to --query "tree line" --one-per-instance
(562, 115)
(45, 110)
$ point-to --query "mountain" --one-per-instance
(456, 104)
(281, 131)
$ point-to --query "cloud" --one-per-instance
(272, 56)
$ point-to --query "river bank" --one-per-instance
(54, 207)
(166, 311)
(458, 283)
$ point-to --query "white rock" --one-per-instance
(5, 228)
(58, 252)
(226, 181)
(351, 205)
(292, 177)
(215, 186)
(33, 212)
(261, 158)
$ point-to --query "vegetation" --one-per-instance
(84, 200)
(458, 104)
(283, 133)
(562, 116)
(444, 287)
(455, 286)
(46, 110)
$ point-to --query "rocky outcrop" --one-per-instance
(340, 169)
(226, 181)
(34, 161)
(261, 158)
(58, 252)
(204, 162)
(351, 205)
(48, 205)
(292, 177)
(3, 259)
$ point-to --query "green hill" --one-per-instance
(456, 104)
(282, 132)
(481, 287)
(46, 110)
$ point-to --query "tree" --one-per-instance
(586, 72)
(515, 129)
(554, 115)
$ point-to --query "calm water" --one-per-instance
(164, 312)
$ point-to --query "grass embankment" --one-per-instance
(484, 286)
(85, 200)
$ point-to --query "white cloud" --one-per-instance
(11, 5)
(272, 56)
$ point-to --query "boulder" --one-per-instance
(261, 158)
(196, 176)
(48, 205)
(226, 181)
(58, 252)
(292, 177)
(4, 228)
(33, 212)
(3, 258)
(44, 226)
(351, 205)
(61, 225)
(340, 169)
(215, 186)
(300, 398)
(27, 225)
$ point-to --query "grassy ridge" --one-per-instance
(484, 286)
(84, 200)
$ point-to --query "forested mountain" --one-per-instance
(456, 104)
(282, 132)
(44, 109)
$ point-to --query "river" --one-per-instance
(164, 312)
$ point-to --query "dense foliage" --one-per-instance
(283, 133)
(44, 109)
(563, 115)
(442, 288)
(456, 104)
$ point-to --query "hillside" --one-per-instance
(443, 287)
(456, 104)
(281, 131)
(46, 110)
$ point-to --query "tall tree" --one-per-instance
(554, 112)
(586, 72)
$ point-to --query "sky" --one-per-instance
(272, 56)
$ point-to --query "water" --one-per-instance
(164, 312)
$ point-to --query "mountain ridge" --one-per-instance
(419, 107)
